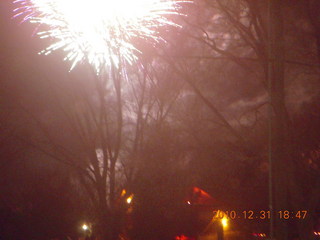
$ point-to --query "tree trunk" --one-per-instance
(279, 120)
(220, 233)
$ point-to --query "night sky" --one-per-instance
(26, 81)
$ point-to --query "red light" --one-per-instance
(183, 237)
(259, 234)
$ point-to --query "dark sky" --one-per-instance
(20, 65)
(24, 74)
(25, 80)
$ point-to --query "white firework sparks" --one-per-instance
(98, 31)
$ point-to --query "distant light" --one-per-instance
(85, 227)
(181, 237)
(259, 234)
(129, 199)
(189, 203)
(224, 222)
(123, 192)
(317, 233)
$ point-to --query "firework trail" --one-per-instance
(101, 32)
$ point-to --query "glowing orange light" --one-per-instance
(123, 192)
(224, 222)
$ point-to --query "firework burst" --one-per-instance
(98, 31)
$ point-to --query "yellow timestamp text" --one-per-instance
(262, 215)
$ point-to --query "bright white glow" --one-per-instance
(129, 199)
(101, 32)
(85, 227)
